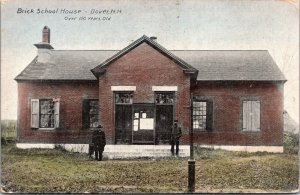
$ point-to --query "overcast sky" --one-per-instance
(204, 25)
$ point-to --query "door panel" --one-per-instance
(164, 121)
(123, 122)
(143, 124)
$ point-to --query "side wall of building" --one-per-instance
(71, 95)
(143, 67)
(227, 113)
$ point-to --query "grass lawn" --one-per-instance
(46, 171)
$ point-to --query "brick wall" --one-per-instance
(71, 96)
(228, 108)
(143, 67)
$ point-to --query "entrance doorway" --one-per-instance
(143, 129)
(143, 123)
(164, 121)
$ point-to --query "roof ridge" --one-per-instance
(219, 50)
(168, 50)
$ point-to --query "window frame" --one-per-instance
(56, 114)
(122, 92)
(115, 105)
(250, 99)
(86, 115)
(208, 100)
(165, 92)
(40, 113)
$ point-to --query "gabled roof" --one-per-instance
(66, 65)
(152, 43)
(232, 65)
(212, 65)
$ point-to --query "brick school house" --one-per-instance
(137, 92)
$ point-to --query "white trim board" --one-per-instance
(273, 149)
(123, 88)
(164, 88)
(142, 148)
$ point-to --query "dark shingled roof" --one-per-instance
(66, 65)
(232, 65)
(212, 65)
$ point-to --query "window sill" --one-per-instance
(45, 129)
(202, 131)
(250, 131)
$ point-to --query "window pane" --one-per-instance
(93, 113)
(124, 98)
(196, 104)
(46, 114)
(199, 115)
(164, 98)
(93, 120)
(47, 121)
(256, 115)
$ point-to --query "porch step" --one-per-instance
(119, 151)
(142, 151)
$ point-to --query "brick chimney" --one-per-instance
(44, 47)
(46, 35)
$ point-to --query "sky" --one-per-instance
(178, 25)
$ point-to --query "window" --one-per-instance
(164, 98)
(123, 98)
(251, 115)
(45, 113)
(90, 113)
(202, 115)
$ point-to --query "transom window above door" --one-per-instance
(124, 98)
(164, 98)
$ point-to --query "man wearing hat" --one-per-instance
(98, 142)
(175, 135)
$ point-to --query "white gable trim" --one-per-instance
(164, 88)
(123, 88)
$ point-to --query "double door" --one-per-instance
(143, 124)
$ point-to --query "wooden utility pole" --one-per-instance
(191, 161)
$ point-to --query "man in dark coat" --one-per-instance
(99, 142)
(175, 136)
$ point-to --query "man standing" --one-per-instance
(99, 142)
(175, 136)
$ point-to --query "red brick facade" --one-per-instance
(228, 113)
(71, 96)
(144, 67)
